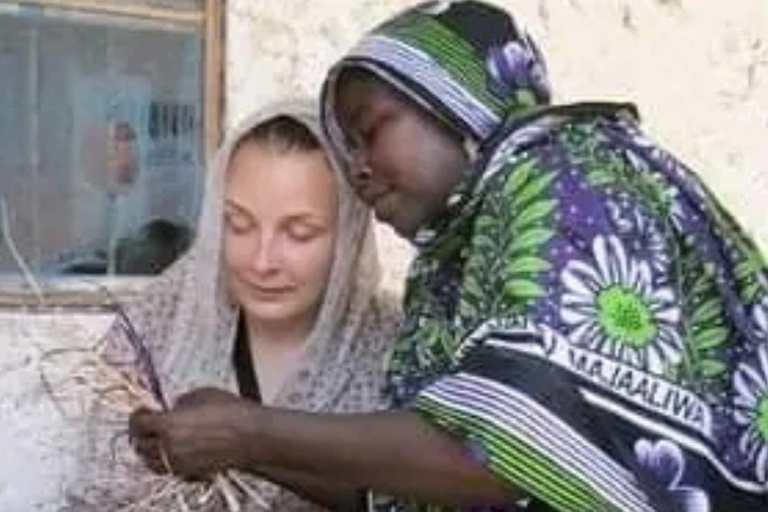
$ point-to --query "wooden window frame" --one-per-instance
(210, 17)
(181, 15)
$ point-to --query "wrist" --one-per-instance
(250, 447)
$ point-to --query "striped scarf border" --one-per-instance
(422, 69)
(516, 418)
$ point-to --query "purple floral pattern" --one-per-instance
(646, 237)
(664, 462)
(750, 383)
(515, 67)
(760, 318)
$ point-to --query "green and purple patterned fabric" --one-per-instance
(585, 317)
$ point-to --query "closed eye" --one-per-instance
(237, 220)
(369, 131)
(303, 231)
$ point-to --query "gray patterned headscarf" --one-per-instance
(186, 323)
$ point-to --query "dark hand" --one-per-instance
(200, 436)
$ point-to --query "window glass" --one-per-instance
(101, 141)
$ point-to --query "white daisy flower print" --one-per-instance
(760, 318)
(750, 381)
(646, 236)
(676, 210)
(611, 306)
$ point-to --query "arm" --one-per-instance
(324, 491)
(396, 452)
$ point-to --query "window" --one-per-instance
(108, 112)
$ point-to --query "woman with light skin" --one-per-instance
(277, 300)
(586, 327)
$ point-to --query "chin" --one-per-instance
(407, 233)
(402, 229)
(275, 311)
(405, 230)
(270, 312)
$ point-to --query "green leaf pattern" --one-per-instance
(511, 233)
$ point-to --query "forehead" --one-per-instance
(257, 174)
(359, 92)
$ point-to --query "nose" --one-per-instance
(360, 172)
(265, 255)
(363, 183)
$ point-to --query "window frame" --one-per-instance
(97, 291)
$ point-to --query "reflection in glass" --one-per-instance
(100, 139)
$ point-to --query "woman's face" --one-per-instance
(122, 158)
(406, 163)
(280, 225)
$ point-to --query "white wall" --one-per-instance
(38, 443)
(698, 71)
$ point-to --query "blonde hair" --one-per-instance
(282, 134)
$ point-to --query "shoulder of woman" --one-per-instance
(387, 307)
(381, 323)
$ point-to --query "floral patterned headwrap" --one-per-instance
(585, 315)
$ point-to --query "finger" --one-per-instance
(151, 451)
(146, 447)
(200, 396)
(165, 460)
(145, 423)
(157, 466)
(197, 477)
(188, 399)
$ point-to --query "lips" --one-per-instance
(373, 197)
(268, 292)
(378, 198)
(370, 196)
(382, 207)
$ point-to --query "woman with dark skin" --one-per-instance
(587, 328)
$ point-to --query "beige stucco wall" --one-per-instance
(39, 443)
(698, 71)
